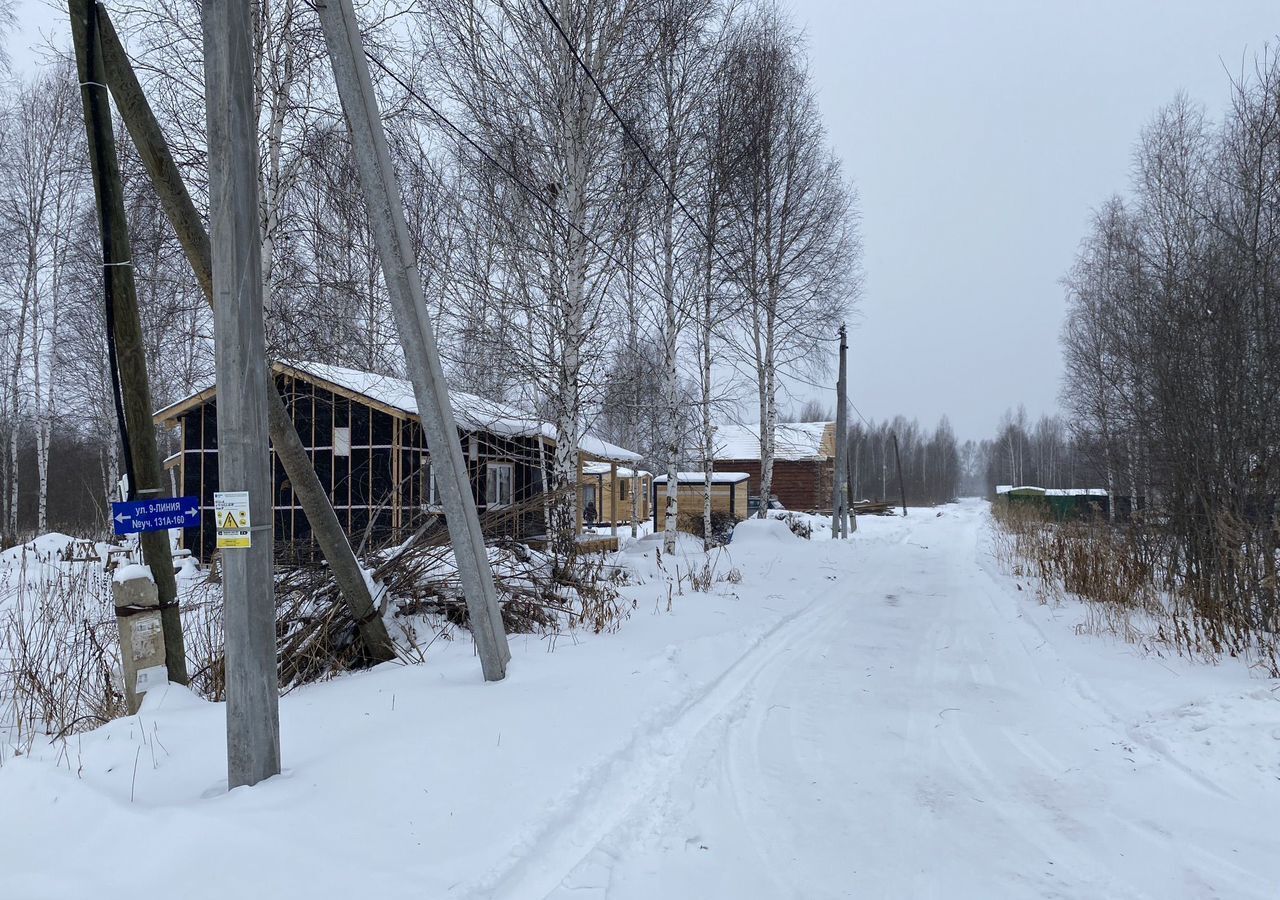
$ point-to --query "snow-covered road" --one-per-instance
(888, 717)
(913, 734)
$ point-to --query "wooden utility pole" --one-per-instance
(404, 287)
(244, 462)
(901, 484)
(839, 503)
(185, 219)
(129, 355)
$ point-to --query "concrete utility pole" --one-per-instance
(327, 531)
(404, 285)
(839, 504)
(244, 463)
(125, 325)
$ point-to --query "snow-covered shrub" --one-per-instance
(799, 524)
(722, 524)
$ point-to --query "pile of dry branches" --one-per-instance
(416, 582)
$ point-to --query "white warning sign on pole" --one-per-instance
(231, 516)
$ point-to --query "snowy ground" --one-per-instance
(890, 717)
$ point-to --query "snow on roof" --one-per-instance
(471, 412)
(701, 478)
(603, 468)
(792, 441)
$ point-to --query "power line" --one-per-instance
(827, 387)
(520, 182)
(671, 191)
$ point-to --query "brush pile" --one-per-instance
(416, 585)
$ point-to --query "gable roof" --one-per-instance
(396, 396)
(792, 441)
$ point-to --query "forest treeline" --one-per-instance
(627, 216)
(1172, 342)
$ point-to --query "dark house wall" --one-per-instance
(379, 491)
(802, 485)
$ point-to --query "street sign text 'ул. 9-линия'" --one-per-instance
(155, 515)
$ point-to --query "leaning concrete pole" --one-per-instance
(126, 325)
(404, 285)
(185, 219)
(244, 462)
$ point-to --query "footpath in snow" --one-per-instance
(888, 717)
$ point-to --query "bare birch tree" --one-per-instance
(789, 220)
(41, 197)
(525, 97)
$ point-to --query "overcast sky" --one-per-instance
(980, 135)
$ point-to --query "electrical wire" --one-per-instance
(626, 129)
(827, 387)
(515, 178)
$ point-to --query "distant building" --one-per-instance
(803, 461)
(1063, 503)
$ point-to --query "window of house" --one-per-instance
(341, 441)
(499, 483)
(427, 484)
(623, 489)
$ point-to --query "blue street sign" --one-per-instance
(155, 515)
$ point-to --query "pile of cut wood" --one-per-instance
(874, 508)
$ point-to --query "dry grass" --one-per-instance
(58, 656)
(1130, 586)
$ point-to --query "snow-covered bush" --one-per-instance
(799, 524)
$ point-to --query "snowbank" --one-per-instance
(762, 531)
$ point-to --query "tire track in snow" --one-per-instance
(621, 784)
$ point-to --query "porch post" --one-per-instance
(577, 490)
(613, 500)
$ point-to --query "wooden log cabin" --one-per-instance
(367, 445)
(804, 461)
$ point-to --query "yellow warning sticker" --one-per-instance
(231, 514)
(234, 540)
